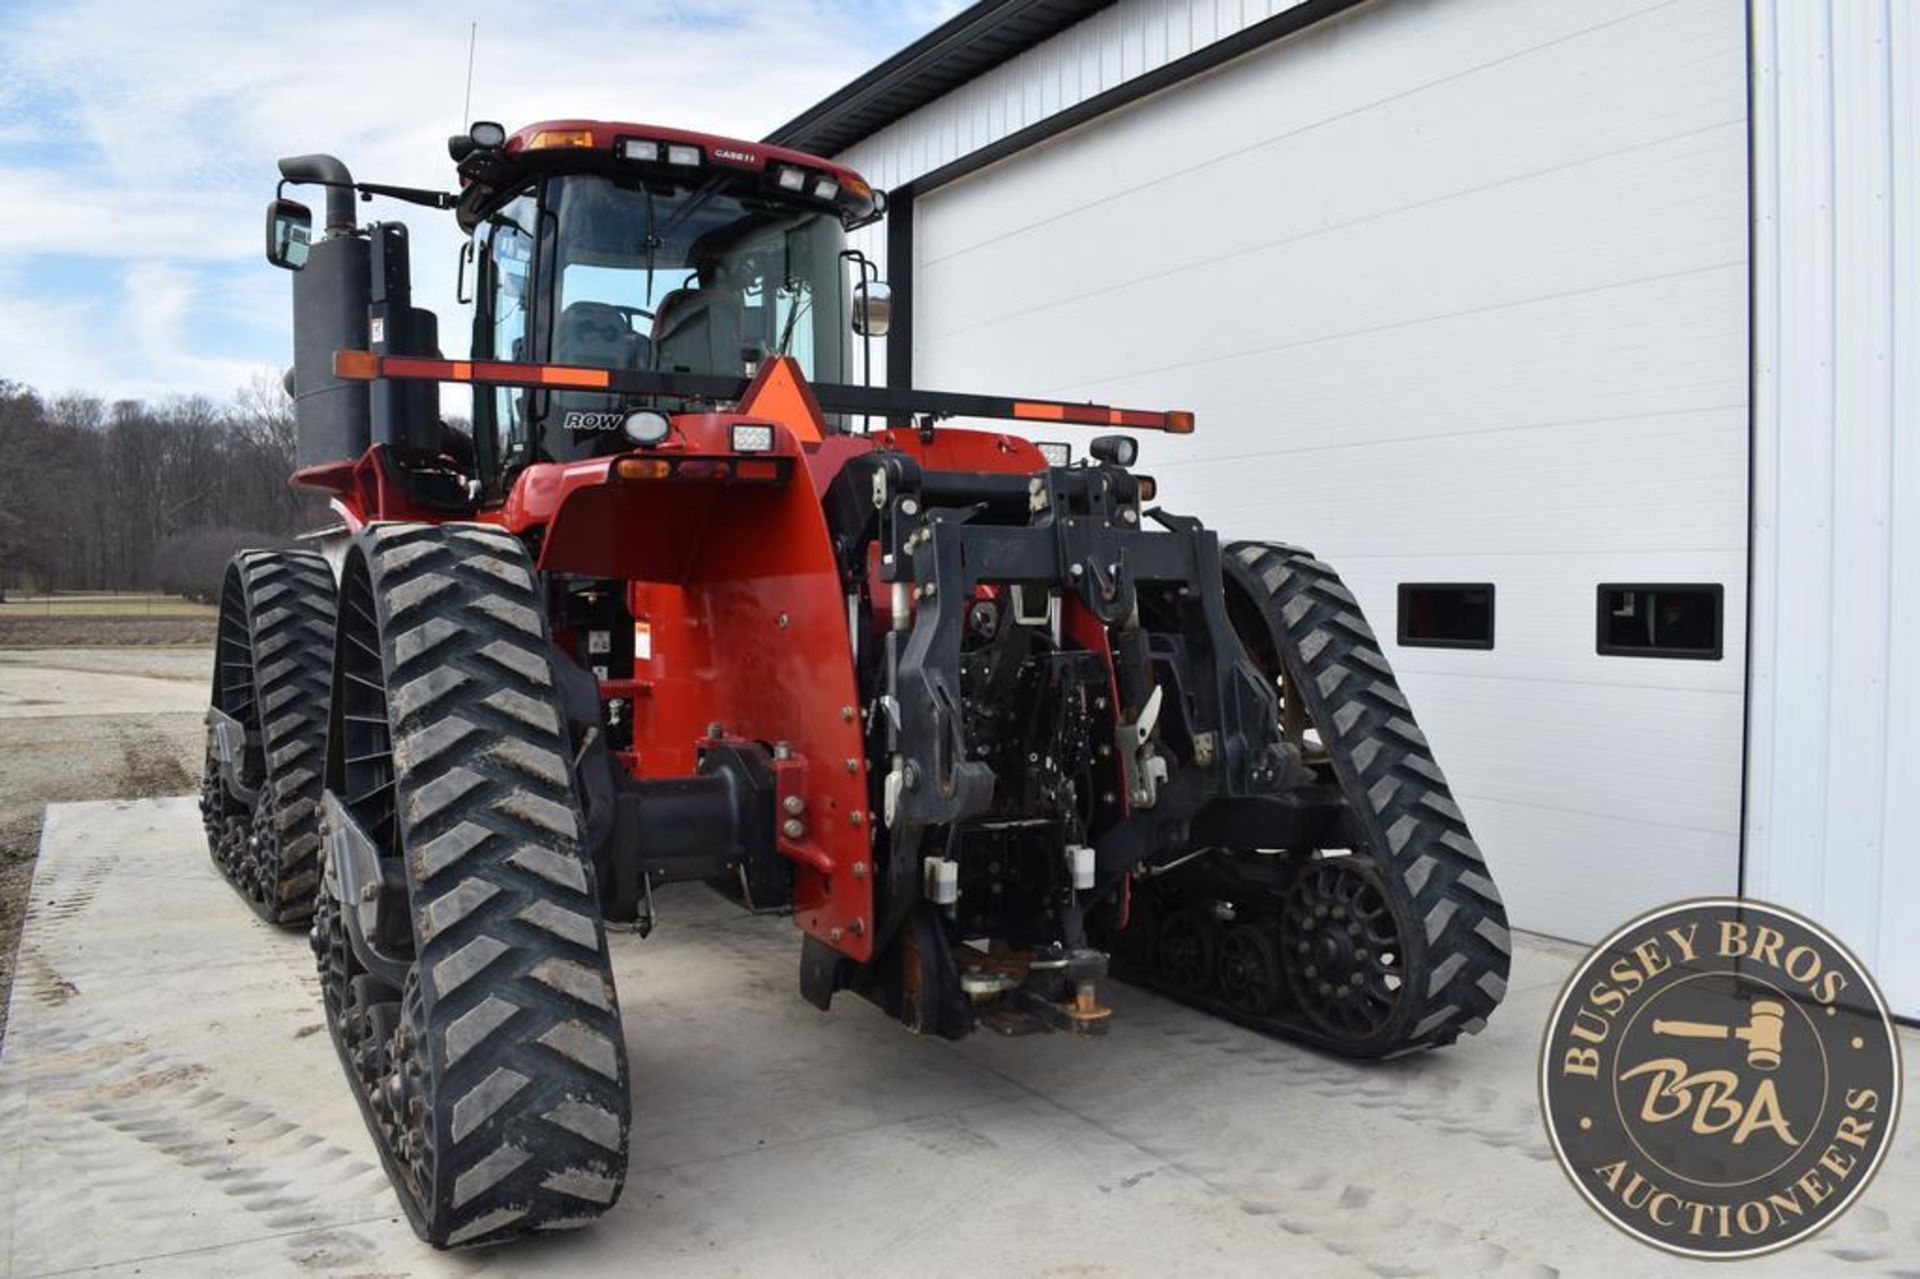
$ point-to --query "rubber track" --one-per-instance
(290, 613)
(529, 1121)
(1415, 832)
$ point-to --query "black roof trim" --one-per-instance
(970, 43)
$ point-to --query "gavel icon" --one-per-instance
(1766, 1019)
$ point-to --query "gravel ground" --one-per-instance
(26, 630)
(88, 724)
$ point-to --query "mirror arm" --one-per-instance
(412, 195)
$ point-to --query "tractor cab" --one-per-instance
(672, 255)
(647, 250)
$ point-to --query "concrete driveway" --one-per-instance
(169, 1104)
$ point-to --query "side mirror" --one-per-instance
(289, 234)
(872, 309)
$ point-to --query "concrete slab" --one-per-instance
(169, 1105)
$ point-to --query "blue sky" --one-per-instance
(137, 145)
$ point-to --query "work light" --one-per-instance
(752, 437)
(646, 427)
(683, 154)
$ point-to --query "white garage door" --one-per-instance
(1459, 292)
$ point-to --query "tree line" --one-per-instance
(136, 496)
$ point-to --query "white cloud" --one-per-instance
(145, 138)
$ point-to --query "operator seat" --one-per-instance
(699, 331)
(597, 335)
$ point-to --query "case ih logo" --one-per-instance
(1720, 1078)
(738, 157)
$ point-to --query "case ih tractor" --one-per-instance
(692, 604)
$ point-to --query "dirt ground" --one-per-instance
(92, 723)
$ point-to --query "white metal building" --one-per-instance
(1583, 338)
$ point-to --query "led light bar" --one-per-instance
(1057, 452)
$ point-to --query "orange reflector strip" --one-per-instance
(560, 375)
(561, 138)
(355, 366)
(1179, 422)
(1043, 412)
(762, 469)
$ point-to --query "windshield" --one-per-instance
(695, 280)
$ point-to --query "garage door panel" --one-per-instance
(1659, 208)
(1470, 495)
(1576, 359)
(1416, 64)
(1576, 876)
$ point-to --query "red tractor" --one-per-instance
(692, 603)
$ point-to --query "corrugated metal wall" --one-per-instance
(1834, 736)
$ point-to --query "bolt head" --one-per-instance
(856, 817)
(846, 714)
(1358, 979)
(833, 934)
(794, 805)
(858, 869)
(792, 828)
(782, 621)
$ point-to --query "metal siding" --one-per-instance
(1835, 734)
(1473, 307)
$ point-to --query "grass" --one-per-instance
(103, 604)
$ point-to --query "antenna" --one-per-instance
(466, 108)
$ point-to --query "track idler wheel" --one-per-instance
(1344, 956)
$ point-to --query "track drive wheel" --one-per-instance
(466, 979)
(272, 664)
(1414, 894)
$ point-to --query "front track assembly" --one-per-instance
(1395, 943)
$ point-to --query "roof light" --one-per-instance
(1057, 452)
(640, 149)
(488, 134)
(550, 139)
(825, 188)
(791, 179)
(752, 437)
(683, 154)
